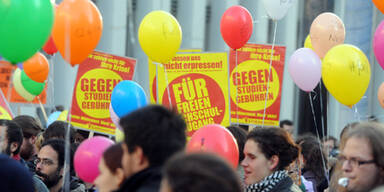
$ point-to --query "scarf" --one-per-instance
(268, 183)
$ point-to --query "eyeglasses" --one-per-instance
(354, 162)
(45, 162)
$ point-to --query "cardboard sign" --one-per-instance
(250, 81)
(196, 84)
(96, 78)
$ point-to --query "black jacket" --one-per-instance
(286, 185)
(147, 180)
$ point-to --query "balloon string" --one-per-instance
(269, 73)
(318, 137)
(157, 83)
(357, 114)
(166, 85)
(229, 93)
(322, 122)
(51, 81)
(67, 175)
(237, 95)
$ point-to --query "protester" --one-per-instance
(152, 135)
(314, 162)
(11, 142)
(362, 157)
(287, 125)
(50, 166)
(199, 172)
(268, 152)
(57, 130)
(111, 171)
(31, 129)
(241, 136)
(14, 177)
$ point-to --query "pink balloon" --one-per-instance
(88, 155)
(115, 119)
(378, 44)
(305, 69)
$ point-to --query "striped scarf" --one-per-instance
(268, 183)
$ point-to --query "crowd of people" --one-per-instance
(151, 158)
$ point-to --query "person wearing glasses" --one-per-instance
(50, 166)
(362, 158)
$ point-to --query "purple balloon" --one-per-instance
(378, 44)
(305, 69)
(20, 65)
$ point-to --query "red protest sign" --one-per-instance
(96, 78)
(252, 87)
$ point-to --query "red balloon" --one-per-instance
(217, 139)
(50, 47)
(236, 26)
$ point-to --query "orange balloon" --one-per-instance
(77, 29)
(379, 4)
(327, 31)
(37, 67)
(380, 95)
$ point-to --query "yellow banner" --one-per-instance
(196, 84)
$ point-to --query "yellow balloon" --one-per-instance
(308, 43)
(160, 36)
(346, 73)
(119, 135)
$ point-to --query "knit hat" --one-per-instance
(14, 176)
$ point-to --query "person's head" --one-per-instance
(362, 157)
(312, 156)
(80, 136)
(31, 129)
(199, 172)
(11, 137)
(287, 125)
(329, 144)
(344, 132)
(50, 162)
(111, 171)
(241, 136)
(152, 135)
(267, 150)
(57, 130)
(14, 176)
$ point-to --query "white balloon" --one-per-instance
(277, 9)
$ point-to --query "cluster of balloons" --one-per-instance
(344, 68)
(236, 24)
(75, 36)
(216, 139)
(88, 155)
(30, 81)
(126, 97)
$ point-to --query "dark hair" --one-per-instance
(14, 133)
(275, 141)
(200, 172)
(159, 131)
(312, 152)
(285, 122)
(112, 157)
(56, 130)
(374, 134)
(241, 137)
(59, 146)
(330, 138)
(29, 125)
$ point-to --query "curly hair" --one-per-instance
(275, 141)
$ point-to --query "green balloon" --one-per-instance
(25, 26)
(33, 87)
